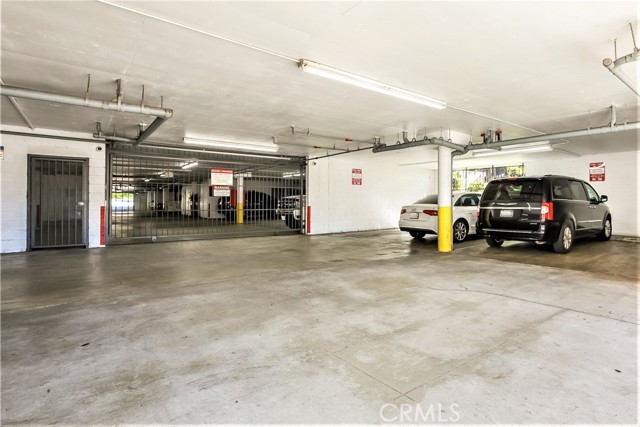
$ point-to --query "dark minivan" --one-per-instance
(548, 209)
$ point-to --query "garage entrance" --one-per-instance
(171, 193)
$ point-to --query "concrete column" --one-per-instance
(240, 200)
(445, 238)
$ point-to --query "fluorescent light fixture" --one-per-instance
(290, 174)
(506, 151)
(189, 165)
(233, 145)
(147, 180)
(365, 83)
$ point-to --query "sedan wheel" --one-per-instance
(460, 231)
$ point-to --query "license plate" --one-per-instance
(506, 213)
(414, 215)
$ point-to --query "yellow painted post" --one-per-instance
(240, 200)
(445, 228)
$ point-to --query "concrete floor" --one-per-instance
(367, 327)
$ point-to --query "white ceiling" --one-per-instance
(535, 67)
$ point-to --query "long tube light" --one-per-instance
(189, 165)
(365, 83)
(539, 149)
(229, 144)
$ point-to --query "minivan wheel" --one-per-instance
(605, 234)
(493, 242)
(564, 242)
(418, 234)
(460, 231)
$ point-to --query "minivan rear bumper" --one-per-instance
(503, 234)
(545, 232)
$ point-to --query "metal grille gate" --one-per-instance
(57, 208)
(156, 193)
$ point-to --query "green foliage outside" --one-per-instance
(117, 196)
(515, 171)
(456, 181)
(476, 186)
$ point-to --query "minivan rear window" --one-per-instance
(518, 190)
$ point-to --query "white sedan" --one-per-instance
(421, 218)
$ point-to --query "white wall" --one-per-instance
(13, 184)
(621, 184)
(338, 206)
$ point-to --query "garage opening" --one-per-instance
(169, 193)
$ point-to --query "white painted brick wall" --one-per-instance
(620, 185)
(338, 206)
(13, 185)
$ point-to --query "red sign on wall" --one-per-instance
(596, 171)
(356, 176)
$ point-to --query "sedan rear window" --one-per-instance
(431, 199)
(520, 190)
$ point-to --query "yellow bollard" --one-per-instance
(239, 213)
(445, 240)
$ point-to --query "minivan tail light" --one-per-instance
(403, 210)
(546, 211)
(430, 212)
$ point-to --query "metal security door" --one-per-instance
(57, 202)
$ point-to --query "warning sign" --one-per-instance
(596, 171)
(356, 176)
(221, 191)
(222, 177)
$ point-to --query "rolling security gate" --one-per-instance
(57, 202)
(167, 193)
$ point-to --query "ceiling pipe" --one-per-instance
(279, 141)
(19, 109)
(460, 149)
(333, 138)
(419, 142)
(162, 114)
(113, 138)
(560, 135)
(155, 124)
(84, 102)
(614, 67)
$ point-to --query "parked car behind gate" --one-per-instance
(550, 209)
(421, 218)
(257, 205)
(289, 210)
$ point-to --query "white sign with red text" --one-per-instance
(356, 176)
(222, 177)
(596, 171)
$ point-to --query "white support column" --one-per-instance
(240, 199)
(445, 227)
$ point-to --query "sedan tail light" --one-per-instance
(430, 212)
(478, 210)
(403, 210)
(546, 211)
